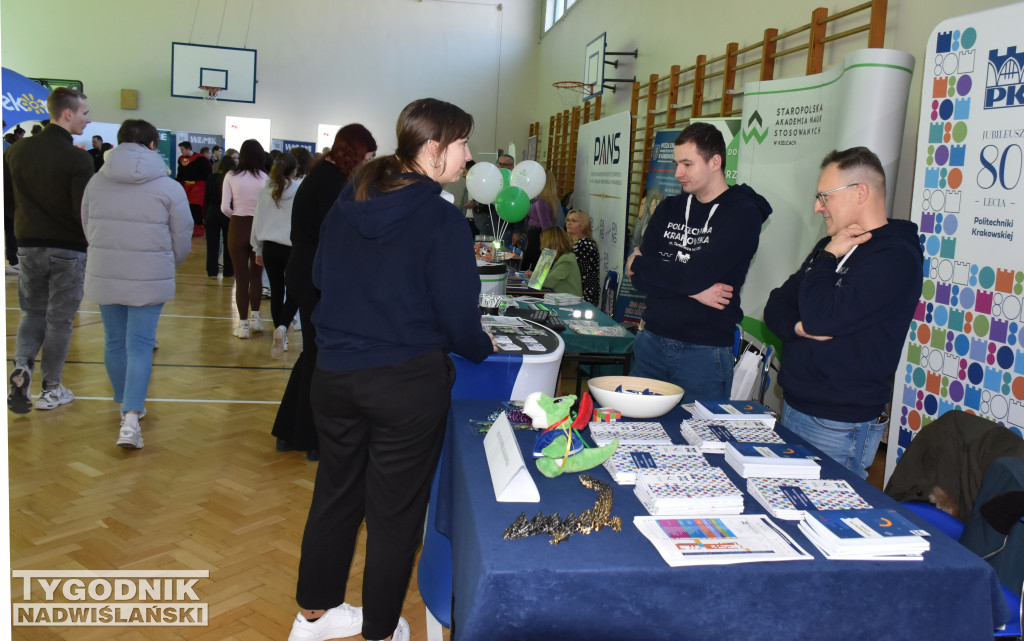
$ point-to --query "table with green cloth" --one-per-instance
(586, 344)
(595, 354)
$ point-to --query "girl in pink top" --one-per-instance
(241, 190)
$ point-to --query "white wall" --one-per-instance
(674, 32)
(319, 61)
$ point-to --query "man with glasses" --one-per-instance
(844, 315)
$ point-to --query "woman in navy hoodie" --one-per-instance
(399, 290)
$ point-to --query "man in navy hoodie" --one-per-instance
(843, 316)
(691, 265)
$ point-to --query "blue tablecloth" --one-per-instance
(612, 585)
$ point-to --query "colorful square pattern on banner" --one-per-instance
(965, 349)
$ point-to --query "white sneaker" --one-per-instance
(12, 270)
(242, 331)
(255, 324)
(401, 632)
(342, 621)
(52, 398)
(296, 323)
(130, 436)
(280, 342)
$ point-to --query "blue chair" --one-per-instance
(953, 528)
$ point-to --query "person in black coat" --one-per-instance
(353, 145)
(216, 222)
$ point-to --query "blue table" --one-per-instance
(612, 585)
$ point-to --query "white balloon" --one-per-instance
(484, 181)
(529, 176)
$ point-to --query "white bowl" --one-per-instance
(603, 389)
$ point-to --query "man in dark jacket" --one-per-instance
(48, 174)
(691, 265)
(844, 315)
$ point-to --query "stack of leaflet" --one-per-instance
(794, 499)
(711, 436)
(733, 411)
(628, 459)
(692, 492)
(772, 459)
(865, 535)
(629, 433)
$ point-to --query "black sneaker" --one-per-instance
(19, 401)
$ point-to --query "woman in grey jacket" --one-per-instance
(139, 229)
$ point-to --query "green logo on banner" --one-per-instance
(752, 130)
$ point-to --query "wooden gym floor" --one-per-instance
(208, 492)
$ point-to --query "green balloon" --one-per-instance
(506, 175)
(512, 204)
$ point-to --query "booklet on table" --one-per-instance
(719, 540)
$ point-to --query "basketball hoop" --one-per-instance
(569, 91)
(211, 94)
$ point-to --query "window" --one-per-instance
(554, 10)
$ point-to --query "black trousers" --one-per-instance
(381, 430)
(275, 259)
(294, 421)
(217, 237)
(197, 213)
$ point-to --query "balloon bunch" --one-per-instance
(509, 190)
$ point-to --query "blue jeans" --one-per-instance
(130, 334)
(852, 445)
(50, 287)
(703, 371)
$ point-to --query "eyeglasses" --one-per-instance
(506, 165)
(821, 194)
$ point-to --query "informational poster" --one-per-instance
(198, 141)
(965, 348)
(237, 130)
(325, 136)
(166, 147)
(602, 184)
(787, 128)
(288, 145)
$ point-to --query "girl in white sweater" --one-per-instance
(272, 241)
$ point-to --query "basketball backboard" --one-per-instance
(231, 70)
(593, 66)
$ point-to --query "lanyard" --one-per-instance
(848, 254)
(686, 222)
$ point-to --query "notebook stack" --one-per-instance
(711, 436)
(694, 492)
(628, 459)
(629, 433)
(772, 460)
(733, 411)
(865, 535)
(794, 499)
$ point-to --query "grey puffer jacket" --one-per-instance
(139, 228)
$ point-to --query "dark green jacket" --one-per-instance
(48, 175)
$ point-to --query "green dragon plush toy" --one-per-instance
(559, 449)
